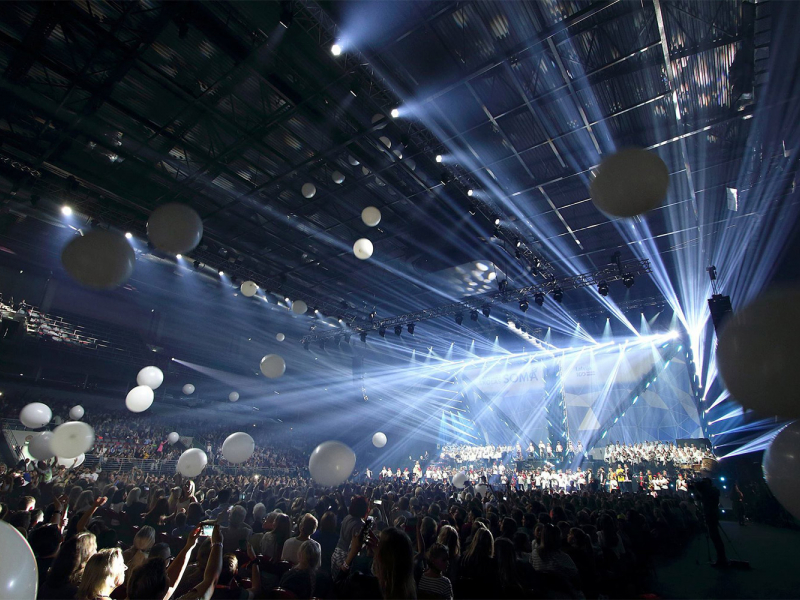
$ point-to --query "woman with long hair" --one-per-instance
(138, 554)
(302, 579)
(187, 496)
(351, 524)
(448, 537)
(159, 515)
(394, 565)
(548, 557)
(479, 557)
(510, 584)
(104, 572)
(135, 506)
(67, 569)
(272, 542)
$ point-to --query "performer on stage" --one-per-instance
(570, 451)
(580, 449)
(549, 450)
(559, 450)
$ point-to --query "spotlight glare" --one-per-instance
(336, 49)
(470, 192)
(128, 234)
(395, 113)
(179, 256)
(438, 158)
(221, 272)
(66, 210)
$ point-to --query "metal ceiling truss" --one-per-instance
(607, 274)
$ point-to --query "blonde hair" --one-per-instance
(103, 572)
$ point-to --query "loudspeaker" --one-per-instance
(721, 309)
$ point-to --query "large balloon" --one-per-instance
(188, 389)
(192, 462)
(781, 466)
(371, 216)
(99, 259)
(337, 177)
(280, 337)
(173, 437)
(629, 183)
(459, 480)
(758, 353)
(41, 446)
(362, 248)
(249, 289)
(238, 447)
(76, 412)
(379, 118)
(19, 573)
(273, 366)
(152, 377)
(331, 463)
(379, 440)
(299, 307)
(35, 415)
(72, 439)
(72, 463)
(139, 399)
(308, 190)
(175, 228)
(233, 396)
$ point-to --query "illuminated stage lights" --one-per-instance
(382, 331)
(336, 49)
(486, 310)
(459, 318)
(128, 235)
(410, 328)
(627, 279)
(438, 158)
(395, 113)
(558, 295)
(602, 288)
(470, 192)
(523, 305)
(398, 329)
(66, 210)
(538, 298)
(473, 315)
(286, 15)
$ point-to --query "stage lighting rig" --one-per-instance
(523, 305)
(473, 314)
(410, 328)
(363, 336)
(382, 331)
(602, 288)
(398, 329)
(486, 310)
(558, 295)
(538, 297)
(627, 279)
(459, 318)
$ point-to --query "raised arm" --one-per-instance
(87, 515)
(178, 566)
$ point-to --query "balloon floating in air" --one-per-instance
(71, 463)
(152, 377)
(362, 248)
(353, 161)
(238, 447)
(188, 389)
(337, 177)
(19, 572)
(386, 141)
(412, 164)
(41, 446)
(175, 228)
(139, 398)
(758, 353)
(331, 463)
(192, 462)
(173, 437)
(630, 183)
(459, 480)
(365, 171)
(233, 396)
(379, 440)
(35, 415)
(273, 366)
(308, 190)
(379, 118)
(72, 439)
(76, 412)
(371, 216)
(781, 465)
(249, 289)
(280, 337)
(99, 259)
(299, 307)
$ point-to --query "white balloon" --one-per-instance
(72, 439)
(459, 480)
(385, 141)
(57, 420)
(353, 161)
(249, 289)
(337, 177)
(362, 248)
(188, 389)
(192, 462)
(76, 412)
(481, 489)
(280, 337)
(35, 415)
(273, 366)
(308, 190)
(238, 447)
(71, 463)
(139, 399)
(175, 228)
(299, 307)
(152, 377)
(781, 466)
(331, 463)
(412, 164)
(379, 440)
(99, 259)
(371, 216)
(377, 118)
(380, 181)
(41, 446)
(19, 572)
(629, 183)
(365, 170)
(758, 353)
(233, 396)
(173, 437)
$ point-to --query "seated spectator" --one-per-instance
(433, 584)
(138, 554)
(67, 568)
(236, 534)
(134, 507)
(273, 541)
(448, 537)
(479, 560)
(548, 557)
(303, 580)
(510, 584)
(291, 548)
(104, 572)
(228, 588)
(327, 537)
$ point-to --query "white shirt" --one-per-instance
(291, 550)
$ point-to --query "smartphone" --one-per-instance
(377, 502)
(207, 530)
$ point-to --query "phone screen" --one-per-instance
(208, 530)
(377, 502)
